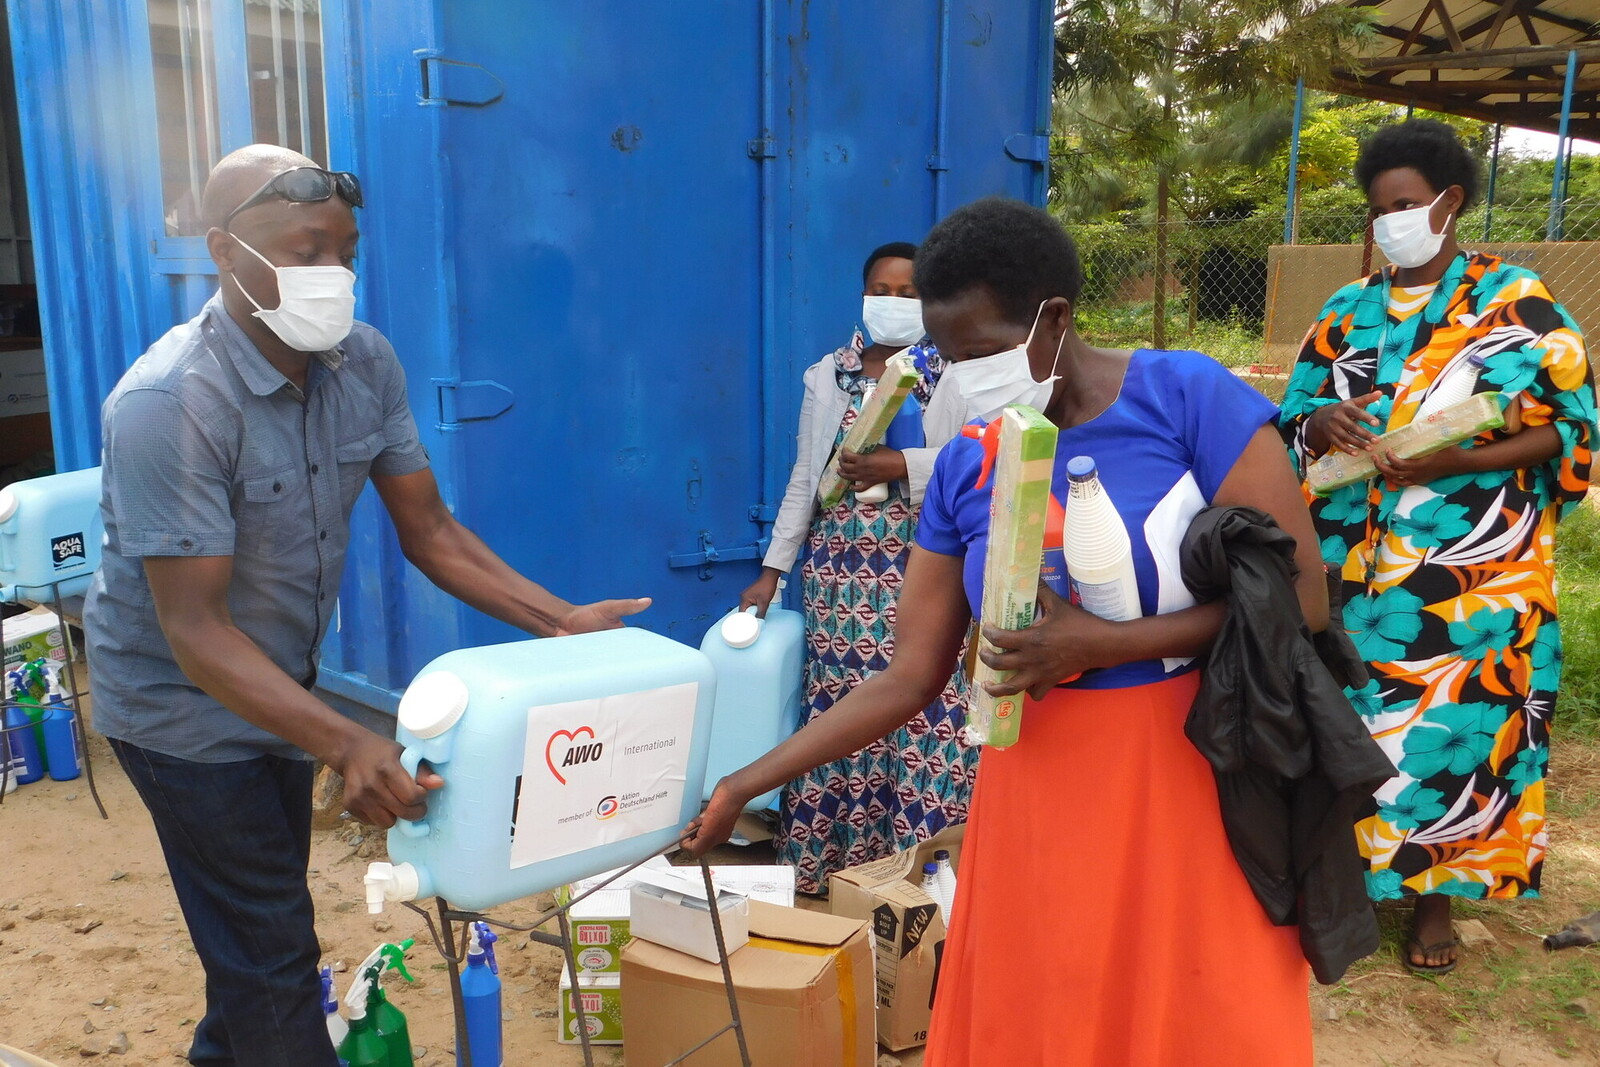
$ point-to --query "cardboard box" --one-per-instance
(805, 990)
(32, 635)
(602, 1009)
(600, 928)
(613, 879)
(23, 388)
(671, 909)
(907, 930)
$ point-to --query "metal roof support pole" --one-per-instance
(1555, 223)
(1494, 174)
(1292, 201)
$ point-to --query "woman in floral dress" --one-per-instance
(908, 786)
(1447, 559)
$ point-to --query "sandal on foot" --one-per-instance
(1416, 947)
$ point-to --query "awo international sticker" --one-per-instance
(602, 770)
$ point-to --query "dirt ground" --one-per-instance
(94, 957)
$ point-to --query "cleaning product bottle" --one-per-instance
(362, 1047)
(930, 886)
(480, 998)
(62, 757)
(39, 681)
(388, 1020)
(337, 1027)
(1095, 542)
(1457, 384)
(905, 431)
(947, 881)
(26, 764)
(872, 494)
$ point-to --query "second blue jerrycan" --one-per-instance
(760, 666)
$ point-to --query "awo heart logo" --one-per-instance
(578, 752)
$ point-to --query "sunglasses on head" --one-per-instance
(303, 185)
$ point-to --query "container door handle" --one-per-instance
(489, 87)
(709, 554)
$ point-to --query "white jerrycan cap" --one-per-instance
(741, 628)
(433, 703)
(8, 503)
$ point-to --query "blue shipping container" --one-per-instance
(605, 238)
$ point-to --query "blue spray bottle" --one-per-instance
(480, 997)
(337, 1027)
(27, 764)
(62, 757)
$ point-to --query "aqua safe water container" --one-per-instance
(50, 531)
(760, 666)
(562, 758)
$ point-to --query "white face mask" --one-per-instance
(989, 383)
(892, 320)
(316, 305)
(1407, 237)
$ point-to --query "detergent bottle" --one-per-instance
(362, 1047)
(337, 1027)
(388, 1020)
(760, 665)
(1456, 384)
(480, 999)
(1099, 554)
(62, 757)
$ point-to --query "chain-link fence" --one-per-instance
(1234, 290)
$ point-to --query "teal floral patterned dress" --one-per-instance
(1449, 587)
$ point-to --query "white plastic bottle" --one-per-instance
(930, 886)
(947, 882)
(1095, 542)
(1458, 382)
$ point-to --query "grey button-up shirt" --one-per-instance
(210, 451)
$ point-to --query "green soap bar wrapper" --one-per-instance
(1430, 433)
(1018, 507)
(866, 433)
(602, 1007)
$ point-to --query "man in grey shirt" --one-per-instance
(234, 450)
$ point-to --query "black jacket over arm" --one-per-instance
(1292, 758)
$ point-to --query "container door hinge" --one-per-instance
(765, 514)
(477, 401)
(468, 84)
(1028, 147)
(762, 148)
(709, 554)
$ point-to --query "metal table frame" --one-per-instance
(444, 940)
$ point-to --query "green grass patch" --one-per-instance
(1578, 582)
(1231, 342)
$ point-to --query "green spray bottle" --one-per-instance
(362, 1047)
(388, 1020)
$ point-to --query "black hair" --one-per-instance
(1427, 146)
(892, 250)
(1020, 253)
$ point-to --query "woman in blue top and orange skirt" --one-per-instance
(1101, 917)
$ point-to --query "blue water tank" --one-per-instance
(50, 536)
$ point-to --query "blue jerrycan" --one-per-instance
(760, 666)
(50, 532)
(562, 757)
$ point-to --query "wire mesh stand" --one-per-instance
(72, 701)
(444, 940)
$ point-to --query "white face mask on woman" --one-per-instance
(895, 321)
(316, 305)
(1407, 237)
(989, 383)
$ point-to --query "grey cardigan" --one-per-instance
(822, 408)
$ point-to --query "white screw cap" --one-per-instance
(433, 703)
(741, 628)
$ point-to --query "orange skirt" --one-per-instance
(1115, 928)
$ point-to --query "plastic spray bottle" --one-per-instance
(39, 680)
(1097, 548)
(62, 757)
(362, 1047)
(27, 762)
(337, 1027)
(388, 1020)
(480, 998)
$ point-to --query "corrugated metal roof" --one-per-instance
(1497, 60)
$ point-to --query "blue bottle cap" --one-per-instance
(930, 868)
(1080, 466)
